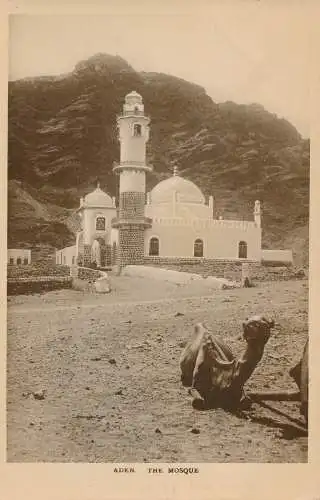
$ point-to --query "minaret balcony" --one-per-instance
(146, 222)
(132, 165)
(133, 114)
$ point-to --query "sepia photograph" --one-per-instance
(158, 239)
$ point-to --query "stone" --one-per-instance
(195, 430)
(39, 395)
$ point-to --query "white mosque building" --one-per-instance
(173, 221)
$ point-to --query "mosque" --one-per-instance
(172, 221)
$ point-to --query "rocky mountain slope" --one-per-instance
(62, 138)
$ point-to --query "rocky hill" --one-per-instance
(62, 138)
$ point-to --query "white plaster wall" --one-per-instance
(132, 181)
(64, 256)
(185, 210)
(89, 223)
(133, 148)
(18, 253)
(218, 242)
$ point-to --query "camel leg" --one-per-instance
(274, 396)
(200, 380)
(197, 402)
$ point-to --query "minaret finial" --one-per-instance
(175, 170)
(98, 184)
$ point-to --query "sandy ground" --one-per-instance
(108, 366)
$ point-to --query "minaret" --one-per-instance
(257, 213)
(133, 128)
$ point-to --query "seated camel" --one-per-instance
(212, 372)
(300, 374)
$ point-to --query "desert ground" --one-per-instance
(95, 378)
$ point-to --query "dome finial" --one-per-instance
(98, 184)
(175, 170)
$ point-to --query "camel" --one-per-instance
(215, 377)
(300, 374)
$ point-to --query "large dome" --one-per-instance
(98, 198)
(186, 190)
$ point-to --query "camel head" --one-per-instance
(257, 329)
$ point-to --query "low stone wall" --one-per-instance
(85, 279)
(39, 269)
(32, 279)
(269, 273)
(205, 267)
(87, 274)
(24, 286)
(230, 270)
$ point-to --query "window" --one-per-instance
(25, 261)
(64, 259)
(11, 260)
(137, 129)
(100, 224)
(73, 260)
(18, 261)
(243, 249)
(136, 110)
(154, 246)
(198, 248)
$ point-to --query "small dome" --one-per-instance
(187, 191)
(133, 97)
(98, 198)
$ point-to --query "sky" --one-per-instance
(254, 54)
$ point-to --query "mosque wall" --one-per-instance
(219, 242)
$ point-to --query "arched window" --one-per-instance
(64, 259)
(243, 250)
(137, 130)
(154, 246)
(198, 248)
(11, 260)
(18, 261)
(136, 110)
(73, 259)
(100, 224)
(25, 261)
